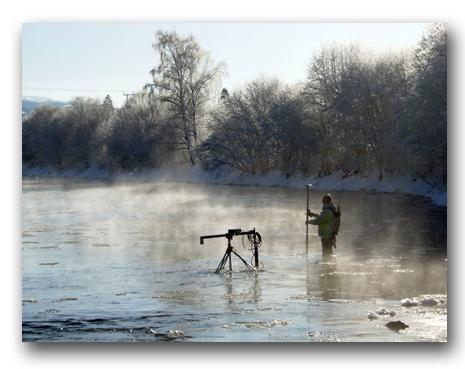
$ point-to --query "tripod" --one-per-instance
(254, 238)
(227, 256)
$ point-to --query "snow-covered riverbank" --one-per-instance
(334, 182)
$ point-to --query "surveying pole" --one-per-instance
(306, 215)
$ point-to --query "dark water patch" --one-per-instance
(72, 233)
(153, 316)
(50, 311)
(64, 299)
(98, 320)
(105, 329)
(49, 263)
(42, 230)
(101, 245)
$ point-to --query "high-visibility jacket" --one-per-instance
(326, 221)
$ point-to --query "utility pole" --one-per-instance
(127, 95)
(150, 87)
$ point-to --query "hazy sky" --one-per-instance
(63, 60)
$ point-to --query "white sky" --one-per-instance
(63, 60)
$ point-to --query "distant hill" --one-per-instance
(29, 103)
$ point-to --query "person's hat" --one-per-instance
(327, 199)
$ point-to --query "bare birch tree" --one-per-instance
(184, 78)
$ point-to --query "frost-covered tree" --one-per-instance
(240, 128)
(69, 137)
(137, 135)
(358, 101)
(108, 107)
(83, 118)
(44, 138)
(294, 137)
(428, 113)
(258, 129)
(330, 90)
(183, 78)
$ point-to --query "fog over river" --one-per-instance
(121, 261)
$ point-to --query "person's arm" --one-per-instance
(323, 218)
(311, 214)
(317, 217)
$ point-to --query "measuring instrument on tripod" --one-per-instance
(254, 239)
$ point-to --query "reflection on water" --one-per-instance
(122, 262)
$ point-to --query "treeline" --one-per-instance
(356, 112)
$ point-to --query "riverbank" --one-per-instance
(360, 183)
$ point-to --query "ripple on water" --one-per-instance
(30, 301)
(322, 337)
(263, 324)
(50, 311)
(403, 271)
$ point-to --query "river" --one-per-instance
(121, 261)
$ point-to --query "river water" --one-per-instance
(112, 261)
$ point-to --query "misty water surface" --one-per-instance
(122, 262)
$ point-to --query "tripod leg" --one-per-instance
(244, 261)
(222, 262)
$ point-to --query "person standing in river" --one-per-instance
(328, 222)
